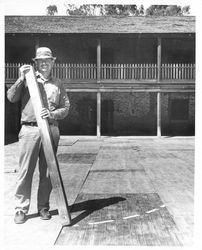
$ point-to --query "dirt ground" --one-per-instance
(152, 177)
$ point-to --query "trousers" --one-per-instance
(31, 151)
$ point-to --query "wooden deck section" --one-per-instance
(121, 191)
(121, 219)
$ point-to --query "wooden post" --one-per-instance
(98, 60)
(98, 93)
(158, 114)
(159, 59)
(98, 114)
(48, 147)
(159, 94)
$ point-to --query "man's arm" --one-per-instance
(62, 111)
(14, 93)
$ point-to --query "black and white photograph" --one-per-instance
(100, 120)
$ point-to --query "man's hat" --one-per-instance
(43, 53)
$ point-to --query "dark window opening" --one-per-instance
(179, 110)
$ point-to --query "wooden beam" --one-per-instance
(98, 82)
(159, 59)
(158, 80)
(98, 114)
(124, 88)
(48, 147)
(98, 60)
(158, 114)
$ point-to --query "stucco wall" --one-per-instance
(122, 114)
(131, 114)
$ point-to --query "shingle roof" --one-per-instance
(80, 24)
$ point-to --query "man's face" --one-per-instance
(45, 66)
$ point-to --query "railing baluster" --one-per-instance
(82, 71)
(150, 71)
(170, 71)
(146, 71)
(133, 69)
(7, 71)
(194, 71)
(74, 70)
(13, 67)
(164, 71)
(65, 65)
(189, 70)
(155, 71)
(185, 71)
(66, 71)
(175, 71)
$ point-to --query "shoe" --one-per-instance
(44, 214)
(20, 217)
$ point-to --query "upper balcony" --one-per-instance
(118, 77)
(72, 72)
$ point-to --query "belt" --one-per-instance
(33, 124)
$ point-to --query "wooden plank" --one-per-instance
(98, 114)
(120, 219)
(158, 114)
(49, 151)
(159, 58)
(98, 60)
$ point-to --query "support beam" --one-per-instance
(159, 114)
(159, 58)
(98, 82)
(158, 93)
(98, 60)
(98, 114)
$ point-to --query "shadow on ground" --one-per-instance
(92, 205)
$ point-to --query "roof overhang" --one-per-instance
(80, 24)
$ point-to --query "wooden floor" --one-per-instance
(123, 191)
(120, 219)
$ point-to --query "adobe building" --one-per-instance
(123, 75)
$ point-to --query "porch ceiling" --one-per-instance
(78, 24)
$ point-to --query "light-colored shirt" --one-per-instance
(54, 97)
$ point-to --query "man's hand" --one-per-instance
(23, 70)
(45, 113)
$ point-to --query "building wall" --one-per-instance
(126, 114)
(122, 113)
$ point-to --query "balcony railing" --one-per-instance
(73, 71)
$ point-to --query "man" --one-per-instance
(56, 107)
